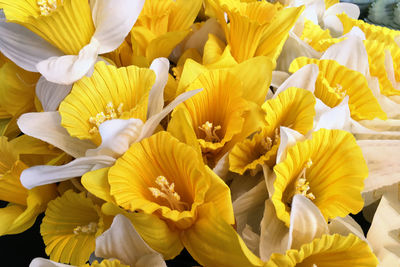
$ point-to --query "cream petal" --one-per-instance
(335, 118)
(23, 47)
(278, 78)
(306, 222)
(46, 174)
(390, 69)
(46, 126)
(346, 225)
(156, 96)
(70, 68)
(274, 233)
(116, 137)
(251, 239)
(42, 262)
(334, 25)
(289, 137)
(222, 167)
(51, 94)
(298, 80)
(121, 241)
(351, 10)
(113, 20)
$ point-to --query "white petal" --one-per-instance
(345, 226)
(351, 10)
(42, 262)
(113, 20)
(382, 234)
(251, 239)
(151, 123)
(334, 25)
(70, 68)
(382, 160)
(222, 167)
(116, 137)
(51, 94)
(24, 47)
(274, 233)
(241, 184)
(122, 242)
(298, 79)
(269, 177)
(390, 69)
(46, 174)
(46, 126)
(306, 222)
(278, 77)
(156, 96)
(289, 137)
(335, 118)
(350, 53)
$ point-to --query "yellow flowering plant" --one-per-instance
(199, 132)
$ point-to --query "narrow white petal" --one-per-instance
(46, 126)
(390, 69)
(42, 262)
(274, 233)
(306, 222)
(351, 10)
(113, 20)
(350, 53)
(278, 78)
(297, 79)
(116, 137)
(222, 166)
(156, 96)
(289, 137)
(151, 123)
(240, 184)
(122, 242)
(23, 47)
(334, 25)
(51, 94)
(269, 177)
(251, 239)
(70, 68)
(335, 118)
(345, 226)
(46, 174)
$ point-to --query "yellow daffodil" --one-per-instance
(335, 81)
(329, 169)
(167, 182)
(24, 205)
(41, 262)
(255, 28)
(61, 39)
(70, 226)
(160, 27)
(292, 108)
(329, 250)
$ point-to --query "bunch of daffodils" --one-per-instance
(245, 132)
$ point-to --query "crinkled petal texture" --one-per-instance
(335, 81)
(135, 181)
(293, 108)
(70, 226)
(69, 27)
(333, 165)
(329, 250)
(110, 93)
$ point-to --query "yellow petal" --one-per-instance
(329, 250)
(213, 49)
(329, 3)
(333, 165)
(315, 36)
(125, 89)
(69, 228)
(213, 242)
(96, 182)
(107, 263)
(184, 14)
(163, 45)
(335, 81)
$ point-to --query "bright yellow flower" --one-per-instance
(167, 181)
(329, 250)
(329, 169)
(335, 81)
(293, 108)
(70, 226)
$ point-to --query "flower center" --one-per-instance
(91, 228)
(268, 142)
(339, 90)
(111, 113)
(302, 186)
(210, 130)
(168, 193)
(46, 7)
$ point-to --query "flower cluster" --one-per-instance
(243, 131)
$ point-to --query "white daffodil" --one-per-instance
(116, 135)
(62, 39)
(120, 246)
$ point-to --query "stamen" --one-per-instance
(302, 186)
(168, 192)
(46, 7)
(91, 228)
(268, 142)
(210, 131)
(339, 90)
(101, 117)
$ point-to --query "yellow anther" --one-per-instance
(339, 90)
(110, 113)
(91, 228)
(210, 131)
(168, 192)
(47, 6)
(268, 142)
(302, 186)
